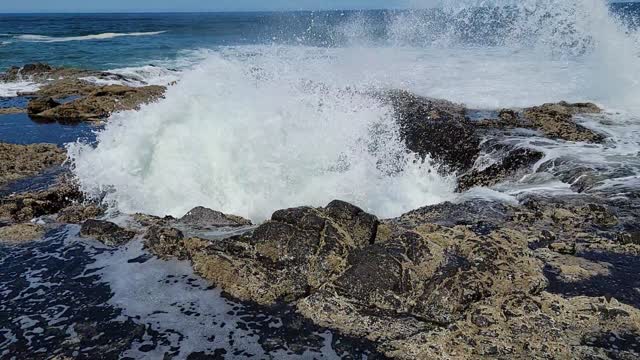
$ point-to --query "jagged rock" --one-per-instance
(21, 161)
(26, 206)
(20, 233)
(77, 214)
(436, 128)
(102, 102)
(510, 164)
(40, 105)
(27, 71)
(166, 242)
(106, 232)
(202, 217)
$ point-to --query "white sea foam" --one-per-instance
(13, 88)
(103, 36)
(249, 135)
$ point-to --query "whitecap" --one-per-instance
(103, 36)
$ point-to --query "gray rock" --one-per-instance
(106, 232)
(202, 217)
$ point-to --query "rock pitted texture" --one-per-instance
(106, 232)
(20, 161)
(461, 281)
(20, 233)
(98, 104)
(27, 206)
(437, 128)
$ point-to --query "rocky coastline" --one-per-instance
(545, 277)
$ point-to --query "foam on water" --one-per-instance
(11, 89)
(103, 36)
(251, 129)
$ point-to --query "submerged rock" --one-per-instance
(21, 161)
(106, 232)
(436, 128)
(20, 233)
(202, 217)
(11, 110)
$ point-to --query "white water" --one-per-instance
(256, 128)
(104, 36)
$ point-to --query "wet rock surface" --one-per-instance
(466, 280)
(66, 95)
(11, 110)
(21, 161)
(201, 217)
(20, 233)
(436, 128)
(106, 232)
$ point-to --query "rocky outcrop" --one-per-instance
(510, 163)
(203, 218)
(98, 104)
(78, 213)
(40, 105)
(21, 161)
(20, 233)
(436, 128)
(461, 280)
(554, 120)
(106, 232)
(22, 207)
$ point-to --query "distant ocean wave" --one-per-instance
(103, 36)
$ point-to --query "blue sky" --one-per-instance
(190, 5)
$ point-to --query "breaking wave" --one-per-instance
(251, 129)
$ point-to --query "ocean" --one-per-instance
(270, 110)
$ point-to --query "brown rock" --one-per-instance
(103, 101)
(21, 161)
(40, 105)
(556, 121)
(77, 214)
(106, 232)
(20, 233)
(11, 110)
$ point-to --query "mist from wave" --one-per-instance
(250, 129)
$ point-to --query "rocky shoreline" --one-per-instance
(545, 277)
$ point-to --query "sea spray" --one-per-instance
(249, 133)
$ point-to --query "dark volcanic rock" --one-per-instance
(202, 217)
(514, 162)
(28, 71)
(106, 232)
(436, 128)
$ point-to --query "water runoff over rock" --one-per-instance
(253, 128)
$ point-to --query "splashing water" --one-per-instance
(251, 129)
